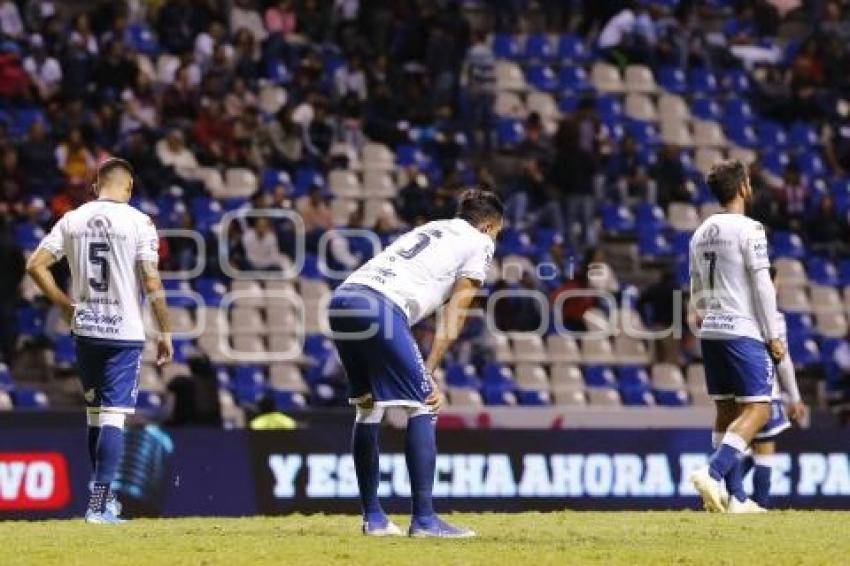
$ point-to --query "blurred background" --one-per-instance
(595, 121)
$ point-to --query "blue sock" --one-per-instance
(421, 454)
(761, 484)
(365, 451)
(93, 436)
(727, 455)
(746, 465)
(110, 448)
(735, 480)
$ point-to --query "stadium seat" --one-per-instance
(671, 398)
(667, 376)
(538, 47)
(464, 397)
(528, 347)
(498, 396)
(573, 79)
(803, 135)
(617, 219)
(789, 272)
(636, 397)
(804, 351)
(601, 397)
(676, 134)
(543, 104)
(799, 324)
(822, 271)
(832, 324)
(247, 320)
(793, 299)
(5, 401)
(509, 77)
(288, 400)
(629, 350)
(708, 134)
(240, 182)
(695, 377)
(345, 184)
(683, 217)
(639, 78)
(606, 78)
(632, 377)
(6, 382)
(505, 46)
(378, 157)
(706, 109)
(569, 397)
(533, 398)
(27, 398)
(462, 376)
(541, 77)
(672, 79)
(787, 245)
(571, 49)
(599, 376)
(596, 351)
(531, 377)
(509, 105)
(566, 376)
(701, 81)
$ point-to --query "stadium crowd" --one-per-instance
(196, 93)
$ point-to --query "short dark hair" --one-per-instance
(479, 205)
(114, 164)
(725, 179)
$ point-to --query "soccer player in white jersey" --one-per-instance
(735, 300)
(371, 314)
(112, 252)
(764, 443)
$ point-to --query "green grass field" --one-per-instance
(536, 539)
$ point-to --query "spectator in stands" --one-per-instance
(350, 78)
(261, 247)
(82, 34)
(244, 14)
(625, 172)
(319, 134)
(532, 202)
(38, 160)
(572, 295)
(214, 133)
(180, 100)
(518, 311)
(670, 177)
(629, 36)
(479, 73)
(827, 234)
(75, 159)
(114, 72)
(572, 175)
(315, 212)
(269, 418)
(13, 181)
(657, 307)
(413, 202)
(792, 196)
(279, 142)
(281, 18)
(12, 260)
(172, 152)
(11, 24)
(44, 71)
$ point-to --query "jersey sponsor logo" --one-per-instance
(88, 321)
(33, 481)
(99, 222)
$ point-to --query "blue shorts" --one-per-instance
(109, 370)
(377, 349)
(776, 425)
(738, 368)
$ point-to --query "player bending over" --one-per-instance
(371, 314)
(764, 443)
(735, 300)
(112, 251)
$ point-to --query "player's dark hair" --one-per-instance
(107, 168)
(725, 179)
(479, 205)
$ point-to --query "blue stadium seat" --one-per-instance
(510, 132)
(643, 132)
(706, 109)
(30, 321)
(65, 353)
(775, 162)
(737, 110)
(803, 136)
(736, 81)
(141, 39)
(248, 384)
(568, 102)
(609, 108)
(804, 351)
(653, 244)
(277, 72)
(506, 46)
(702, 81)
(681, 242)
(541, 77)
(574, 79)
(23, 119)
(288, 400)
(636, 396)
(514, 242)
(633, 376)
(462, 375)
(812, 165)
(495, 373)
(533, 398)
(211, 289)
(617, 219)
(671, 398)
(307, 177)
(28, 235)
(571, 49)
(318, 347)
(497, 396)
(599, 376)
(651, 215)
(206, 212)
(273, 177)
(27, 398)
(683, 275)
(672, 79)
(771, 134)
(178, 293)
(149, 403)
(538, 47)
(184, 349)
(800, 324)
(742, 134)
(787, 244)
(828, 346)
(822, 271)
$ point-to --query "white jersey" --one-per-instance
(726, 250)
(418, 271)
(103, 241)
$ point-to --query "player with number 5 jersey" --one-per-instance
(112, 253)
(370, 314)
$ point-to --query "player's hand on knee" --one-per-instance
(435, 400)
(68, 313)
(165, 350)
(777, 349)
(797, 411)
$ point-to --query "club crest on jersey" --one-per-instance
(711, 233)
(99, 222)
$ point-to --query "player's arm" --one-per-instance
(152, 283)
(696, 298)
(788, 380)
(38, 267)
(450, 323)
(764, 293)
